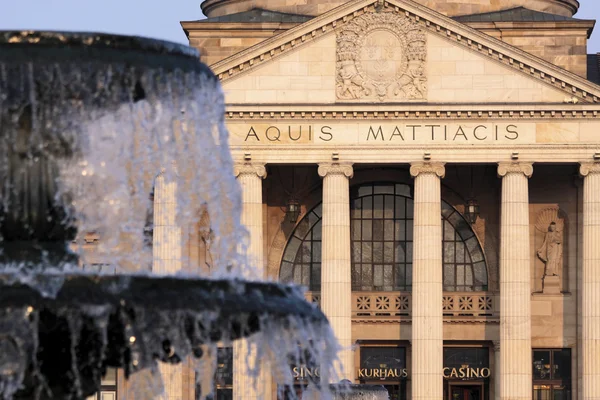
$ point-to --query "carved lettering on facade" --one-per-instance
(381, 56)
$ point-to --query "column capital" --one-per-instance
(336, 169)
(250, 169)
(587, 168)
(425, 167)
(505, 168)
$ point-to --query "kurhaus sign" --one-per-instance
(407, 133)
(385, 373)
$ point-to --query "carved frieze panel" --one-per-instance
(381, 57)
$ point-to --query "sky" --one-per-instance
(151, 18)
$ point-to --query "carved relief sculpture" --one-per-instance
(381, 56)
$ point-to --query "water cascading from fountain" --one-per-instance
(87, 122)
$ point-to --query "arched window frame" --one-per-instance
(465, 267)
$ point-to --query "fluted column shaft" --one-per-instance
(590, 309)
(250, 177)
(336, 291)
(427, 316)
(515, 285)
(167, 254)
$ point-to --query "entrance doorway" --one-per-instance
(466, 392)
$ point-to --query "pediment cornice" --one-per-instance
(525, 63)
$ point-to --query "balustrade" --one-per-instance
(398, 304)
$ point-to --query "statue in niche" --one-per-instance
(551, 227)
(551, 252)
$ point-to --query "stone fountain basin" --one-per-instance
(70, 328)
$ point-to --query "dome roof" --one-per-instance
(215, 8)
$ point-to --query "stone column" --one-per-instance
(515, 285)
(496, 370)
(427, 316)
(250, 177)
(336, 290)
(590, 309)
(167, 255)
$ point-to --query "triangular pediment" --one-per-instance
(394, 51)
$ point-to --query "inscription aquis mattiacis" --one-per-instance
(381, 134)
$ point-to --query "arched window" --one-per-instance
(381, 230)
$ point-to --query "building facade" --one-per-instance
(430, 171)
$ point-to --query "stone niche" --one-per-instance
(550, 247)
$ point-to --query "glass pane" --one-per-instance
(302, 228)
(400, 204)
(355, 227)
(356, 252)
(356, 208)
(316, 231)
(367, 277)
(400, 227)
(378, 275)
(409, 253)
(318, 210)
(286, 272)
(460, 275)
(449, 277)
(388, 229)
(541, 364)
(400, 252)
(316, 254)
(409, 230)
(292, 249)
(306, 252)
(377, 206)
(298, 274)
(365, 190)
(400, 276)
(460, 252)
(377, 252)
(356, 275)
(306, 275)
(388, 252)
(386, 189)
(367, 208)
(468, 276)
(409, 275)
(480, 272)
(562, 364)
(315, 277)
(448, 252)
(388, 211)
(366, 252)
(378, 229)
(313, 218)
(560, 393)
(403, 190)
(409, 208)
(388, 277)
(448, 231)
(367, 230)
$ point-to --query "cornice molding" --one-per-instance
(506, 168)
(587, 168)
(436, 168)
(433, 22)
(250, 169)
(431, 112)
(326, 169)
